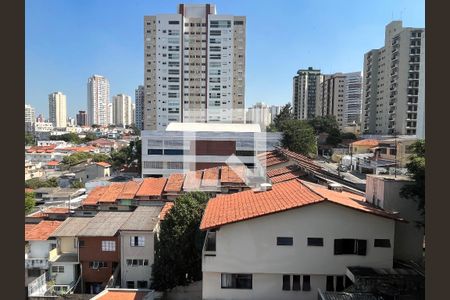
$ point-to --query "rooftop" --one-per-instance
(105, 223)
(142, 218)
(213, 127)
(122, 294)
(151, 187)
(167, 206)
(71, 226)
(41, 231)
(174, 183)
(366, 142)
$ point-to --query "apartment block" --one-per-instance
(98, 100)
(81, 118)
(194, 67)
(306, 85)
(260, 114)
(57, 109)
(30, 118)
(393, 87)
(139, 112)
(122, 110)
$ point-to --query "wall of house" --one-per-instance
(136, 273)
(68, 245)
(69, 274)
(40, 249)
(250, 246)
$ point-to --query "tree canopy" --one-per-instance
(299, 136)
(67, 137)
(30, 202)
(284, 115)
(79, 157)
(178, 251)
(29, 139)
(35, 183)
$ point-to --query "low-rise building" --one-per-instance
(363, 146)
(397, 150)
(89, 171)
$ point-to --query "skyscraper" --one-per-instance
(30, 118)
(139, 113)
(57, 109)
(274, 111)
(122, 110)
(393, 79)
(98, 100)
(81, 118)
(194, 67)
(259, 114)
(305, 86)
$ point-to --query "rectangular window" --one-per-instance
(350, 246)
(236, 281)
(286, 282)
(130, 284)
(174, 22)
(57, 269)
(296, 283)
(339, 283)
(173, 152)
(154, 152)
(97, 264)
(142, 284)
(80, 244)
(109, 246)
(382, 243)
(137, 241)
(330, 283)
(315, 241)
(306, 283)
(285, 241)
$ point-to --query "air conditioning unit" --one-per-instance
(335, 187)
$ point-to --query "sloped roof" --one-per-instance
(285, 177)
(121, 294)
(94, 195)
(103, 164)
(236, 174)
(105, 223)
(211, 177)
(71, 226)
(41, 231)
(142, 218)
(152, 187)
(174, 183)
(130, 189)
(167, 206)
(282, 170)
(112, 193)
(366, 142)
(193, 180)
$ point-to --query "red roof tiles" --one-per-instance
(284, 177)
(366, 142)
(53, 163)
(41, 149)
(282, 170)
(287, 195)
(50, 210)
(129, 190)
(112, 193)
(174, 183)
(41, 231)
(211, 177)
(151, 187)
(236, 174)
(95, 195)
(121, 295)
(167, 206)
(103, 164)
(192, 180)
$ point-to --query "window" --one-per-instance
(137, 262)
(80, 244)
(285, 241)
(142, 284)
(173, 152)
(174, 22)
(154, 152)
(58, 269)
(108, 246)
(130, 284)
(236, 281)
(392, 151)
(350, 246)
(286, 282)
(137, 241)
(296, 282)
(306, 283)
(339, 283)
(315, 241)
(97, 264)
(382, 243)
(330, 284)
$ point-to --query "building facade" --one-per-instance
(259, 114)
(122, 110)
(306, 85)
(81, 118)
(57, 109)
(98, 100)
(139, 112)
(392, 82)
(194, 67)
(274, 111)
(30, 118)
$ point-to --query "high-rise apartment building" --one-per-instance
(81, 118)
(122, 110)
(133, 113)
(305, 86)
(110, 113)
(274, 111)
(194, 67)
(98, 100)
(339, 95)
(393, 79)
(57, 109)
(259, 114)
(139, 113)
(30, 118)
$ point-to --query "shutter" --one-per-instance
(338, 246)
(362, 247)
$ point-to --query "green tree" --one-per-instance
(284, 115)
(29, 139)
(119, 157)
(178, 251)
(136, 130)
(98, 157)
(35, 183)
(348, 136)
(67, 137)
(299, 136)
(77, 184)
(90, 136)
(416, 170)
(76, 158)
(334, 137)
(30, 202)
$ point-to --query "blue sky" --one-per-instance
(66, 41)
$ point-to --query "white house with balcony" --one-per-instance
(290, 241)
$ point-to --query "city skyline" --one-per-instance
(118, 47)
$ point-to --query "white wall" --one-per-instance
(40, 249)
(67, 244)
(68, 276)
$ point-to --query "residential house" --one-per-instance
(33, 170)
(125, 294)
(397, 150)
(48, 213)
(57, 194)
(89, 171)
(363, 146)
(289, 241)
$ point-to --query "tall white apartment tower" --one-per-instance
(194, 67)
(98, 100)
(305, 87)
(139, 113)
(393, 88)
(122, 110)
(57, 109)
(30, 118)
(259, 114)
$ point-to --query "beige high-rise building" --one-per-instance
(57, 109)
(393, 77)
(122, 110)
(98, 100)
(194, 67)
(259, 114)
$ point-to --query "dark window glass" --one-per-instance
(350, 246)
(130, 284)
(285, 241)
(245, 153)
(339, 283)
(142, 284)
(348, 282)
(286, 282)
(80, 244)
(306, 283)
(296, 282)
(330, 283)
(238, 22)
(155, 152)
(361, 246)
(174, 22)
(236, 281)
(315, 241)
(173, 151)
(383, 243)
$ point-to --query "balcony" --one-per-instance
(55, 256)
(36, 263)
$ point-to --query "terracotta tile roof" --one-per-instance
(174, 183)
(366, 142)
(27, 190)
(50, 210)
(347, 194)
(53, 163)
(274, 160)
(122, 294)
(301, 160)
(282, 170)
(211, 177)
(103, 164)
(151, 187)
(232, 175)
(249, 204)
(112, 193)
(41, 231)
(78, 149)
(41, 149)
(28, 227)
(285, 177)
(94, 195)
(167, 206)
(130, 189)
(193, 180)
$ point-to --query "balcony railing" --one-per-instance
(39, 263)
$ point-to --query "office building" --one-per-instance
(81, 118)
(57, 109)
(30, 118)
(305, 87)
(393, 80)
(259, 114)
(139, 113)
(194, 67)
(122, 110)
(98, 100)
